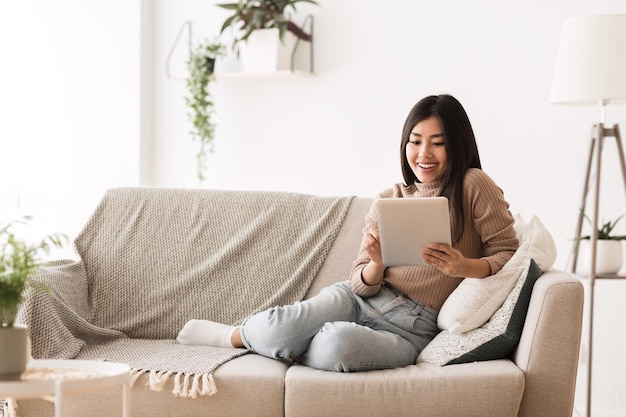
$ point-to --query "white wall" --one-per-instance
(69, 106)
(338, 131)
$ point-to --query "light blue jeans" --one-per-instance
(340, 331)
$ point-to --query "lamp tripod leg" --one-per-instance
(620, 153)
(583, 203)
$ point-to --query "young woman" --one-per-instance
(384, 316)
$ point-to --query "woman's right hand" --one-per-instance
(372, 246)
(374, 271)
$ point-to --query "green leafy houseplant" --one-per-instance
(250, 15)
(200, 101)
(606, 230)
(18, 263)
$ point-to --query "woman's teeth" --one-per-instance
(426, 166)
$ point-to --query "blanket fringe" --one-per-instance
(208, 385)
(8, 407)
(158, 379)
(193, 385)
(135, 374)
(186, 386)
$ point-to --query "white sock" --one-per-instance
(205, 332)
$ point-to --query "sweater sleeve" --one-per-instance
(491, 218)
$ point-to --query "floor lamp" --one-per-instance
(591, 69)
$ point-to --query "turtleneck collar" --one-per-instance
(428, 188)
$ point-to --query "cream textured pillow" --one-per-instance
(475, 300)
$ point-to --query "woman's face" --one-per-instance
(426, 150)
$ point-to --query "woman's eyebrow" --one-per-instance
(435, 135)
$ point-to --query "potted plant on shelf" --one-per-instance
(201, 66)
(261, 27)
(609, 256)
(18, 263)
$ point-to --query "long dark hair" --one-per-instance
(460, 145)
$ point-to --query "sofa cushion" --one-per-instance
(492, 388)
(495, 339)
(475, 300)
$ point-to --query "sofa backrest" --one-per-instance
(338, 262)
(157, 257)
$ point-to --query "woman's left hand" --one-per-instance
(445, 258)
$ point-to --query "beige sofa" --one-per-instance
(538, 379)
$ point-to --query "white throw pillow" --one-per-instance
(541, 247)
(474, 301)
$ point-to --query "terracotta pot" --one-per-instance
(14, 351)
(609, 257)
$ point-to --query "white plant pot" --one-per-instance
(609, 257)
(264, 52)
(14, 352)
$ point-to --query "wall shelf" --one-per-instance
(272, 74)
(294, 69)
(186, 27)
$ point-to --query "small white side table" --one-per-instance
(54, 379)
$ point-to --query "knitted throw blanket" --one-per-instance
(153, 258)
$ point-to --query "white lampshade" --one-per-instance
(591, 61)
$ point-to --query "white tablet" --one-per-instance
(406, 225)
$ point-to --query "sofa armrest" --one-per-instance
(549, 346)
(58, 319)
(67, 280)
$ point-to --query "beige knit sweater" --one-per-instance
(488, 234)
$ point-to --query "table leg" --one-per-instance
(126, 399)
(58, 398)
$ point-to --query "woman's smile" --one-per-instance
(426, 166)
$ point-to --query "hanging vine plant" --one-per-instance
(201, 65)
